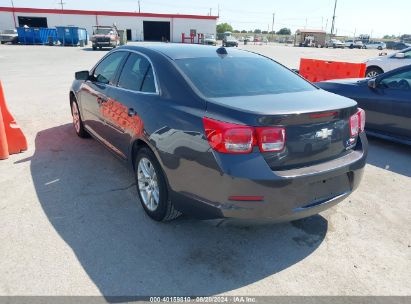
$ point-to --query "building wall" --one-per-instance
(135, 23)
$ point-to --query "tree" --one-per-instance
(224, 27)
(236, 31)
(243, 31)
(284, 31)
(257, 31)
(264, 32)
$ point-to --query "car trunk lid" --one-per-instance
(316, 123)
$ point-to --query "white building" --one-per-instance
(139, 26)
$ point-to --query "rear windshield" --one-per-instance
(241, 76)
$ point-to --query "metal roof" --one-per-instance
(100, 13)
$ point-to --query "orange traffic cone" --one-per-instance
(4, 148)
(14, 137)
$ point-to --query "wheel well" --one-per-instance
(375, 67)
(137, 145)
(72, 97)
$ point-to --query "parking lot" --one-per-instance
(71, 223)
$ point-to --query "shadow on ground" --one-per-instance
(90, 199)
(390, 156)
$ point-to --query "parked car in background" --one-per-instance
(230, 41)
(375, 45)
(335, 43)
(250, 38)
(354, 44)
(204, 138)
(105, 36)
(8, 36)
(398, 46)
(209, 39)
(385, 99)
(382, 64)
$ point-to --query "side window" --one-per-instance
(137, 75)
(106, 70)
(400, 81)
(408, 55)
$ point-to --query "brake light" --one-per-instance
(227, 137)
(233, 138)
(270, 139)
(357, 122)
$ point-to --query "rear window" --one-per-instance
(241, 76)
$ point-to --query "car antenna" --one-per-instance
(221, 51)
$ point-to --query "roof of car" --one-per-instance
(179, 51)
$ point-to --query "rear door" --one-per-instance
(130, 100)
(94, 92)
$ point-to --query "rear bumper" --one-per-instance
(286, 195)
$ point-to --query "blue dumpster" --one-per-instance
(37, 35)
(72, 35)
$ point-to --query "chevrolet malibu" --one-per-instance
(221, 133)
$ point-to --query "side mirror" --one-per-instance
(82, 75)
(372, 83)
(399, 55)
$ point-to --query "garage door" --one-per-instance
(32, 21)
(156, 31)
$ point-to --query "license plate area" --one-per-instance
(329, 187)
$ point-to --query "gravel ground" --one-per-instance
(71, 223)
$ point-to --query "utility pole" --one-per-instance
(306, 21)
(218, 10)
(62, 4)
(326, 25)
(211, 11)
(272, 24)
(14, 13)
(333, 22)
(139, 8)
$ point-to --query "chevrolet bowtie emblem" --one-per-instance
(324, 133)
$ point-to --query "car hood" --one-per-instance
(286, 103)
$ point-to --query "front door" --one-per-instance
(94, 92)
(396, 95)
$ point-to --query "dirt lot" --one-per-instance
(71, 223)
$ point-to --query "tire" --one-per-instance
(150, 180)
(77, 121)
(373, 72)
(100, 48)
(380, 48)
(351, 46)
(94, 48)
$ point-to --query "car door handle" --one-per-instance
(101, 100)
(131, 112)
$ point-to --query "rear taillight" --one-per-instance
(228, 138)
(270, 139)
(233, 138)
(357, 122)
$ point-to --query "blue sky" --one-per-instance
(374, 17)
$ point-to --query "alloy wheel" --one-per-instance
(148, 184)
(76, 116)
(372, 74)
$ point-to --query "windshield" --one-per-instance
(241, 76)
(103, 31)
